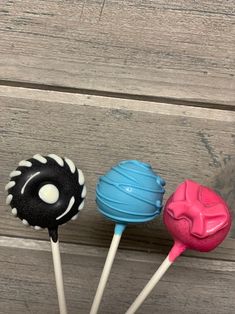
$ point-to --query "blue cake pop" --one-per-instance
(130, 193)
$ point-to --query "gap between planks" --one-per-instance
(119, 95)
(124, 104)
(181, 49)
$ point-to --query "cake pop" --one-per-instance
(45, 192)
(129, 193)
(198, 219)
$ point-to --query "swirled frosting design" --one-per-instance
(130, 193)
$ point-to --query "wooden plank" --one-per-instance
(191, 285)
(97, 132)
(181, 50)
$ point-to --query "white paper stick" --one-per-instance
(150, 285)
(105, 274)
(58, 276)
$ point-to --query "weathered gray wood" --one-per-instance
(224, 183)
(191, 285)
(181, 49)
(96, 132)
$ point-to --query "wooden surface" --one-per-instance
(99, 81)
(166, 49)
(27, 282)
(178, 141)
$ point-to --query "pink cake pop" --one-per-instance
(198, 219)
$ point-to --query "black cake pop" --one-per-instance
(46, 191)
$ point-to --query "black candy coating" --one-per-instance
(30, 206)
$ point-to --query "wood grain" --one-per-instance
(179, 50)
(192, 285)
(97, 132)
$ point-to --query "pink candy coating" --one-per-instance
(197, 217)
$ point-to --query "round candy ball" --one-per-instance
(46, 191)
(197, 216)
(130, 193)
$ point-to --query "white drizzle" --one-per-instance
(81, 206)
(40, 158)
(71, 202)
(10, 185)
(70, 164)
(25, 222)
(25, 163)
(15, 173)
(24, 186)
(14, 211)
(84, 192)
(58, 159)
(81, 179)
(37, 228)
(9, 199)
(75, 217)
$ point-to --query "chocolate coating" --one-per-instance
(131, 192)
(197, 216)
(46, 191)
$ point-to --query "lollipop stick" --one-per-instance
(149, 287)
(177, 249)
(107, 268)
(58, 276)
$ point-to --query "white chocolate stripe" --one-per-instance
(58, 159)
(81, 179)
(84, 192)
(10, 185)
(81, 206)
(37, 228)
(24, 186)
(40, 158)
(70, 164)
(25, 222)
(25, 163)
(75, 217)
(71, 202)
(14, 211)
(9, 199)
(15, 173)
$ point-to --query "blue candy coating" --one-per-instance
(130, 193)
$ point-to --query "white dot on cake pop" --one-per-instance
(81, 206)
(58, 159)
(15, 173)
(40, 158)
(81, 179)
(9, 185)
(25, 163)
(49, 193)
(70, 164)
